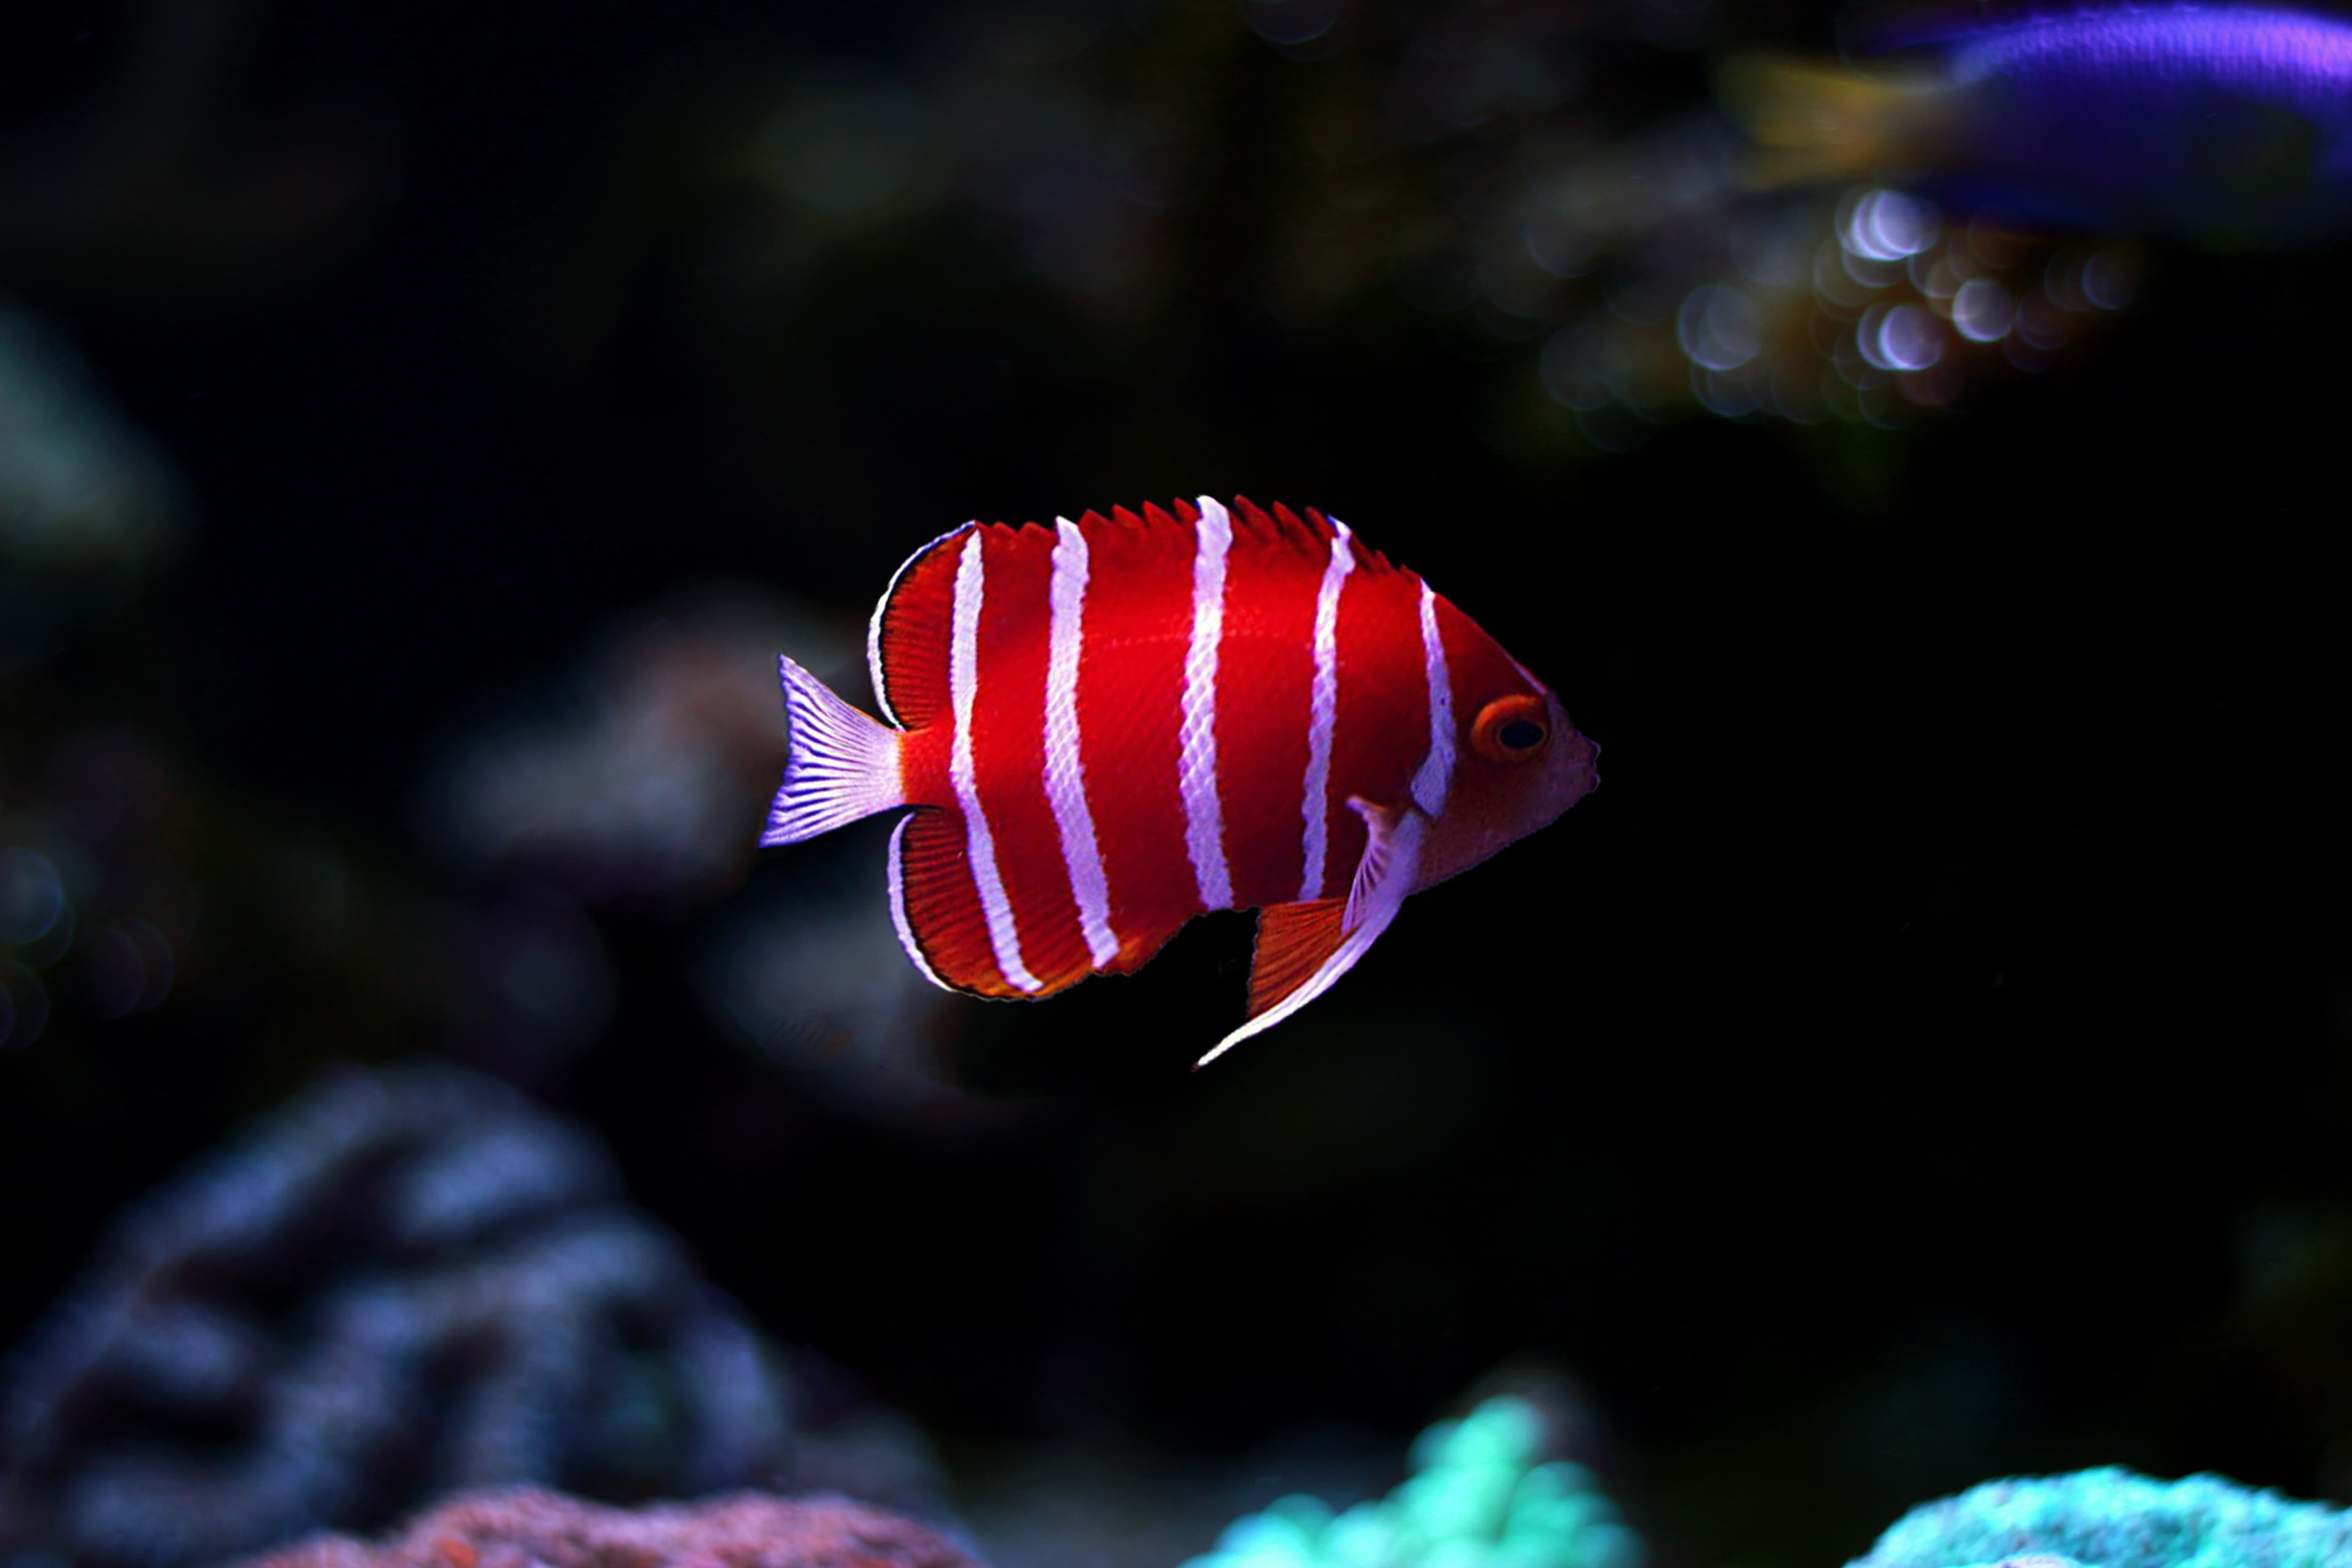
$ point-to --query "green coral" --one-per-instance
(2114, 1518)
(1481, 1496)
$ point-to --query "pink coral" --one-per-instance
(527, 1528)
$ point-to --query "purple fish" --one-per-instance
(2231, 126)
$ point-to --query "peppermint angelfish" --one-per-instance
(1107, 727)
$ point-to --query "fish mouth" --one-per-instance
(1571, 773)
(1578, 764)
(1586, 768)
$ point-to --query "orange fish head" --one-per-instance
(1520, 764)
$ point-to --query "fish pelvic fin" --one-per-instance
(842, 764)
(1810, 122)
(1304, 948)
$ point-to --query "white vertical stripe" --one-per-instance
(1196, 769)
(963, 685)
(1436, 775)
(1065, 784)
(1323, 713)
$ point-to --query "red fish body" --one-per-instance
(1113, 725)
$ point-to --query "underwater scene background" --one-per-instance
(1928, 1059)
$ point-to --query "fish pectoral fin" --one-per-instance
(1304, 948)
(1389, 831)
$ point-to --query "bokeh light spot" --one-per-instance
(131, 967)
(1903, 337)
(1289, 22)
(32, 896)
(1561, 247)
(1572, 368)
(2109, 280)
(1718, 328)
(1981, 310)
(1886, 226)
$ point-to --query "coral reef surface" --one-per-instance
(1481, 1496)
(2112, 1517)
(532, 1529)
(408, 1281)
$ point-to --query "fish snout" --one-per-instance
(1574, 770)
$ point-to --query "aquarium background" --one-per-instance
(1925, 1059)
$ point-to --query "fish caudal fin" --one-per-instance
(1813, 121)
(1304, 948)
(842, 765)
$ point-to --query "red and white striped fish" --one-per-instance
(1112, 725)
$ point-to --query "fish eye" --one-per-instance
(1510, 728)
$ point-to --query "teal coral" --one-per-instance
(1481, 1496)
(2114, 1519)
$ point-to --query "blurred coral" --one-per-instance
(645, 780)
(133, 884)
(2114, 1518)
(808, 972)
(547, 1530)
(1481, 1494)
(405, 1281)
(89, 506)
(1532, 182)
(641, 787)
(79, 486)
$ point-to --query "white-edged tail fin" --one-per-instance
(842, 765)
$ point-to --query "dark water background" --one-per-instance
(1924, 1059)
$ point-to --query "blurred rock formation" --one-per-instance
(406, 1282)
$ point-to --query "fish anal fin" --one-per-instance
(1293, 941)
(935, 903)
(1391, 859)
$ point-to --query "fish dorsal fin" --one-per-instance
(1306, 535)
(907, 641)
(1304, 948)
